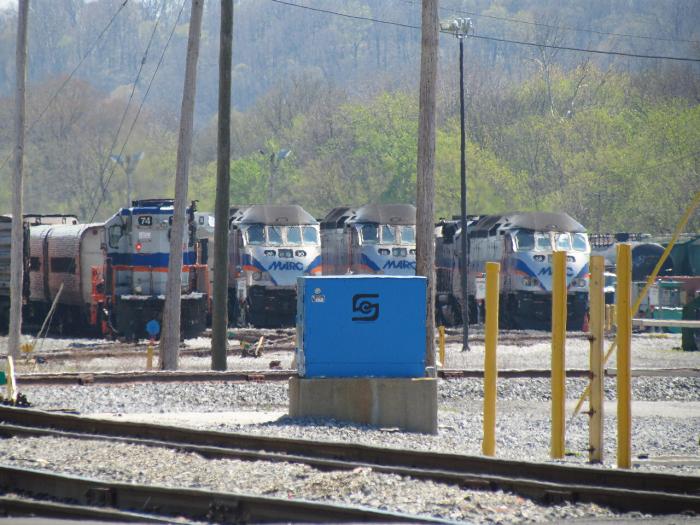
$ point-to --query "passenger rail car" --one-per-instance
(269, 247)
(372, 239)
(137, 247)
(523, 244)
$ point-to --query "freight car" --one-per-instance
(523, 244)
(269, 247)
(372, 239)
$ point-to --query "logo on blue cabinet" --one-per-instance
(366, 309)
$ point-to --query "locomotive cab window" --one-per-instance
(525, 240)
(294, 235)
(255, 234)
(388, 234)
(369, 233)
(580, 243)
(563, 241)
(274, 235)
(310, 235)
(408, 234)
(114, 234)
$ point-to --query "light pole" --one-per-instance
(275, 159)
(459, 27)
(128, 163)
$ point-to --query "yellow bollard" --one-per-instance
(596, 328)
(624, 343)
(488, 446)
(558, 349)
(441, 344)
(149, 355)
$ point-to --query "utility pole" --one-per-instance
(17, 234)
(219, 340)
(425, 182)
(170, 338)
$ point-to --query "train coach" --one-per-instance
(269, 247)
(523, 244)
(372, 239)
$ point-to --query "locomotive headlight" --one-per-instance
(539, 258)
(300, 253)
(383, 251)
(257, 276)
(579, 283)
(530, 281)
(138, 246)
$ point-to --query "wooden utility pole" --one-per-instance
(219, 340)
(170, 338)
(17, 250)
(425, 198)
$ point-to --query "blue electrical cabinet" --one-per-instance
(361, 326)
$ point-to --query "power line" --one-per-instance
(494, 39)
(72, 73)
(138, 112)
(128, 104)
(566, 28)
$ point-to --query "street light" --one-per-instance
(460, 27)
(275, 159)
(128, 164)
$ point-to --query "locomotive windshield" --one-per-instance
(278, 235)
(528, 240)
(387, 234)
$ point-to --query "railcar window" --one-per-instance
(370, 234)
(274, 235)
(62, 265)
(255, 234)
(388, 234)
(525, 240)
(294, 235)
(310, 235)
(408, 234)
(580, 243)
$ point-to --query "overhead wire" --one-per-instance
(491, 38)
(138, 112)
(128, 104)
(70, 76)
(565, 28)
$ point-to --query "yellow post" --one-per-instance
(558, 349)
(488, 446)
(624, 342)
(596, 322)
(441, 344)
(149, 355)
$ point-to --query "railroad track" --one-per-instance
(127, 502)
(655, 493)
(88, 378)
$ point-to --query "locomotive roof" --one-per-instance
(531, 220)
(337, 217)
(273, 214)
(385, 214)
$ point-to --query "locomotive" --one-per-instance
(269, 247)
(137, 247)
(108, 278)
(372, 239)
(523, 244)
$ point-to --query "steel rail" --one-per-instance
(625, 490)
(17, 507)
(85, 378)
(210, 506)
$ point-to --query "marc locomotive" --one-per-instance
(269, 247)
(523, 244)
